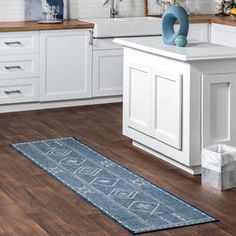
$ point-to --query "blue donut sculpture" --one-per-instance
(172, 14)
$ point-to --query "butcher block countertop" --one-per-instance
(78, 24)
(227, 20)
(201, 19)
(33, 26)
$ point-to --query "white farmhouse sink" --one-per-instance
(121, 27)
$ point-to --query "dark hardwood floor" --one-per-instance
(33, 203)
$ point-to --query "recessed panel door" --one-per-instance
(167, 107)
(139, 98)
(218, 109)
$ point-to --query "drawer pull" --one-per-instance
(12, 67)
(8, 92)
(13, 43)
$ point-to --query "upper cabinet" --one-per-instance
(66, 64)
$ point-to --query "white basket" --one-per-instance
(219, 166)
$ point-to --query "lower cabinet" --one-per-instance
(166, 110)
(198, 32)
(66, 65)
(154, 103)
(18, 91)
(174, 109)
(107, 72)
(218, 109)
(137, 97)
(223, 34)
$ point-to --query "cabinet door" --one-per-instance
(107, 72)
(66, 64)
(137, 97)
(167, 107)
(197, 32)
(218, 109)
(223, 34)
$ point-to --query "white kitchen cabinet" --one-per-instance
(19, 67)
(66, 65)
(18, 91)
(138, 104)
(107, 72)
(218, 112)
(166, 108)
(19, 43)
(176, 104)
(107, 68)
(153, 102)
(198, 32)
(223, 34)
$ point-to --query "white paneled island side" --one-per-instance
(178, 100)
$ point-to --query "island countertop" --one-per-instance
(194, 51)
(33, 26)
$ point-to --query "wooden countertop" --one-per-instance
(194, 19)
(32, 26)
(200, 19)
(78, 24)
(228, 20)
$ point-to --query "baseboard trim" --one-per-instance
(195, 170)
(58, 104)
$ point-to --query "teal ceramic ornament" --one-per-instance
(172, 14)
(181, 41)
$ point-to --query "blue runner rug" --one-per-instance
(138, 205)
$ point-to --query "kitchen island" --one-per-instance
(178, 100)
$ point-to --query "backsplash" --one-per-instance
(14, 10)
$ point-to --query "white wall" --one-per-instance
(199, 6)
(13, 10)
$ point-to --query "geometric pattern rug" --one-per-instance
(138, 205)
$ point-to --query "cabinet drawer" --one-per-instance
(19, 43)
(18, 91)
(20, 66)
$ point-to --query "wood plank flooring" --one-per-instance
(34, 203)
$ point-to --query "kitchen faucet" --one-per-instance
(113, 10)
